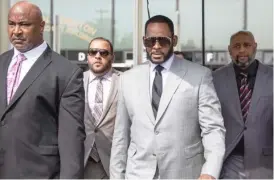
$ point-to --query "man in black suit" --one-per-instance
(41, 104)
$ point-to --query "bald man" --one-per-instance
(41, 104)
(245, 90)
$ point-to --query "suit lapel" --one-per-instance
(175, 76)
(233, 93)
(4, 65)
(144, 89)
(257, 91)
(112, 94)
(42, 62)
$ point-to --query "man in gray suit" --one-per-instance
(101, 89)
(41, 104)
(245, 89)
(169, 123)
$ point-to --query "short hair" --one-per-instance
(248, 33)
(102, 39)
(160, 19)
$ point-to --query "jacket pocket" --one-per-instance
(194, 150)
(48, 150)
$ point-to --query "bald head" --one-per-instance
(24, 7)
(242, 32)
(26, 26)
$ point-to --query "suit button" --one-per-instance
(245, 128)
(154, 154)
(156, 132)
(96, 130)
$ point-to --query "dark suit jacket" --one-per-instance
(42, 130)
(258, 128)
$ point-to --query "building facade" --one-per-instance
(203, 27)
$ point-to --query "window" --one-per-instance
(80, 21)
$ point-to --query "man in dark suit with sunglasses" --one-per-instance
(169, 123)
(41, 104)
(101, 89)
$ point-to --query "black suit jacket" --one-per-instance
(42, 130)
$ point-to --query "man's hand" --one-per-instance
(206, 176)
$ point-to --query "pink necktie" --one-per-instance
(13, 76)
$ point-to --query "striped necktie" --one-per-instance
(97, 113)
(245, 96)
(98, 104)
(157, 89)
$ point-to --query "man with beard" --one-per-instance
(169, 123)
(245, 89)
(101, 88)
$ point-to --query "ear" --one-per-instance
(113, 58)
(42, 25)
(175, 40)
(144, 40)
(229, 49)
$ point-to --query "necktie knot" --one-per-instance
(159, 68)
(21, 57)
(243, 75)
(100, 78)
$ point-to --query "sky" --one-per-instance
(222, 17)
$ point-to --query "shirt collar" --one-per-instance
(107, 76)
(166, 65)
(33, 53)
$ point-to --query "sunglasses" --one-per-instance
(151, 41)
(102, 52)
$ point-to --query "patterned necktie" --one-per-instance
(245, 96)
(98, 105)
(97, 113)
(13, 76)
(157, 89)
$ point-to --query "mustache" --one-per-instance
(98, 62)
(238, 57)
(17, 38)
(157, 52)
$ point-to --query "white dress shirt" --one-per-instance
(166, 65)
(92, 87)
(31, 55)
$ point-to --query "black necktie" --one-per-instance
(157, 89)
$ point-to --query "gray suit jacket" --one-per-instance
(258, 129)
(102, 133)
(186, 138)
(42, 129)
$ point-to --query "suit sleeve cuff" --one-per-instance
(213, 166)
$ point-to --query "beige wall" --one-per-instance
(4, 41)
